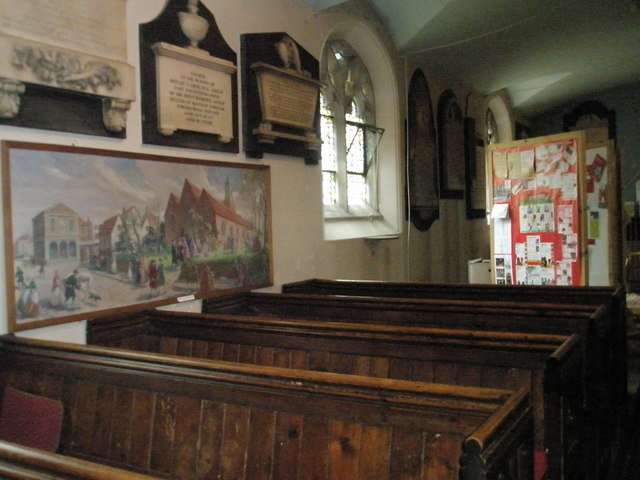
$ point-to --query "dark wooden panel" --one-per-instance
(379, 367)
(169, 346)
(288, 434)
(185, 441)
(121, 433)
(264, 356)
(375, 442)
(236, 433)
(85, 404)
(261, 444)
(436, 466)
(247, 354)
(300, 359)
(141, 429)
(406, 454)
(104, 418)
(281, 358)
(400, 368)
(215, 350)
(340, 363)
(164, 425)
(185, 347)
(422, 371)
(314, 451)
(230, 352)
(345, 450)
(211, 431)
(200, 349)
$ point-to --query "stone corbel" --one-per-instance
(10, 92)
(114, 113)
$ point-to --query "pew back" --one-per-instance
(607, 390)
(549, 365)
(190, 419)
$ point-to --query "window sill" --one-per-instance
(344, 228)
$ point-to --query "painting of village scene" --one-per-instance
(95, 232)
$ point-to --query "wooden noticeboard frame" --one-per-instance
(537, 196)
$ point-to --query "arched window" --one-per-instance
(349, 134)
(365, 201)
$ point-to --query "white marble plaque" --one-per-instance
(194, 91)
(97, 27)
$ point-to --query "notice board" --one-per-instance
(538, 224)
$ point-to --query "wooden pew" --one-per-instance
(189, 419)
(23, 463)
(549, 365)
(591, 322)
(613, 333)
(612, 296)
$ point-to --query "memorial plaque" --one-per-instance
(188, 80)
(286, 98)
(51, 50)
(194, 93)
(281, 77)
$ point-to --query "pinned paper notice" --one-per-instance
(500, 168)
(500, 210)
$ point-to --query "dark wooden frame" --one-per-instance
(473, 146)
(166, 28)
(445, 158)
(261, 47)
(422, 169)
(108, 281)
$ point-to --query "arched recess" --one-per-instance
(502, 115)
(422, 155)
(374, 54)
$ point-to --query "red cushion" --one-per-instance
(31, 420)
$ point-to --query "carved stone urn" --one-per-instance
(193, 25)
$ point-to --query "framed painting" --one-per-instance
(95, 232)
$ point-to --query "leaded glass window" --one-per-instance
(348, 133)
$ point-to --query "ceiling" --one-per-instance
(542, 52)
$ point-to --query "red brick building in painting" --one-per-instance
(197, 216)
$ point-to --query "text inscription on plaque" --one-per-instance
(194, 97)
(287, 99)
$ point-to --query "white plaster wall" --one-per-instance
(299, 250)
(442, 253)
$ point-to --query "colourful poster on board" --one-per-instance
(538, 186)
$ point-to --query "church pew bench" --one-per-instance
(186, 418)
(590, 321)
(549, 365)
(612, 296)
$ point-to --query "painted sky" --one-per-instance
(98, 187)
